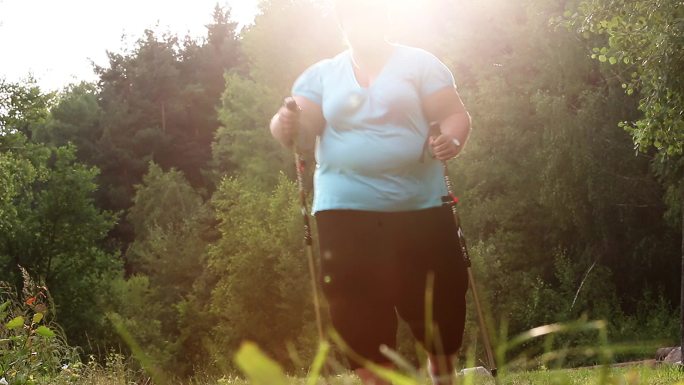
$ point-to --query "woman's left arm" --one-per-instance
(446, 108)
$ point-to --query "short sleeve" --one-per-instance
(435, 76)
(309, 84)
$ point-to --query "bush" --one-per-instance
(32, 346)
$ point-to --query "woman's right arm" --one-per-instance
(302, 126)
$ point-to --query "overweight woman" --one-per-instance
(383, 232)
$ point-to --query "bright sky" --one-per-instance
(56, 39)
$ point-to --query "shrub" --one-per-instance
(32, 345)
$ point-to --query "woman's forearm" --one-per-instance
(457, 126)
(278, 133)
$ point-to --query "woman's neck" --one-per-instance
(370, 58)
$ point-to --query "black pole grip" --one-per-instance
(291, 104)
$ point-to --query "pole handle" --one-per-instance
(291, 104)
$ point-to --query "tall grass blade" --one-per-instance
(258, 367)
(319, 361)
(384, 373)
(138, 353)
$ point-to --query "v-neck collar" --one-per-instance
(388, 62)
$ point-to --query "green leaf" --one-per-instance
(604, 50)
(259, 368)
(45, 331)
(15, 323)
(602, 58)
(612, 60)
(37, 318)
(4, 306)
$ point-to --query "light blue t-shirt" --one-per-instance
(370, 154)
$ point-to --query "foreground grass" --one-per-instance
(642, 375)
(639, 375)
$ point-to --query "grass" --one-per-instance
(637, 375)
(259, 369)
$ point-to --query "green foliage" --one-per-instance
(159, 191)
(23, 107)
(33, 347)
(590, 292)
(51, 226)
(16, 174)
(169, 245)
(637, 375)
(260, 270)
(647, 38)
(169, 249)
(56, 234)
(259, 368)
(134, 305)
(548, 174)
(244, 118)
(158, 102)
(243, 143)
(74, 118)
(564, 220)
(155, 101)
(146, 362)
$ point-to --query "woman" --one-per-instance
(377, 197)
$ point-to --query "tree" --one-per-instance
(154, 102)
(260, 268)
(172, 226)
(50, 224)
(274, 55)
(646, 38)
(74, 118)
(23, 107)
(547, 173)
(58, 236)
(159, 103)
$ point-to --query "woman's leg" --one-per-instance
(436, 281)
(358, 277)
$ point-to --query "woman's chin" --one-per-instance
(368, 45)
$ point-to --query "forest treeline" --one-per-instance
(158, 194)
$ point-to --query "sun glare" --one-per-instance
(74, 30)
(414, 21)
(35, 33)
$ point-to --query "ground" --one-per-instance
(637, 375)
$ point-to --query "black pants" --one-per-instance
(376, 264)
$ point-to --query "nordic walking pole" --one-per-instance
(300, 166)
(451, 200)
